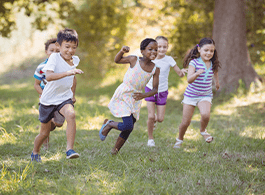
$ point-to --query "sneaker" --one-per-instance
(58, 118)
(35, 157)
(70, 154)
(178, 143)
(151, 143)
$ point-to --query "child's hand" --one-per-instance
(125, 49)
(199, 72)
(74, 72)
(138, 96)
(217, 86)
(184, 70)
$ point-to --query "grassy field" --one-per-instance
(234, 163)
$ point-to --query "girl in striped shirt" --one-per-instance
(202, 62)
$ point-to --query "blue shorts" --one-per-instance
(46, 113)
(159, 98)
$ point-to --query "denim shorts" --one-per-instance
(195, 101)
(159, 98)
(46, 113)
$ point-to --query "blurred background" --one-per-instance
(104, 26)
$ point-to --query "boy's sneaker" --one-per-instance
(151, 143)
(35, 157)
(58, 118)
(70, 154)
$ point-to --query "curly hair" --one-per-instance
(194, 53)
(146, 42)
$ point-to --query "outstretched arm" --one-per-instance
(139, 96)
(181, 72)
(51, 76)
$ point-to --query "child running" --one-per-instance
(57, 94)
(40, 82)
(203, 67)
(159, 100)
(126, 101)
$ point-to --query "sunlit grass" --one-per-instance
(231, 164)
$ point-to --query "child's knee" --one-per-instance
(160, 119)
(70, 115)
(151, 117)
(44, 134)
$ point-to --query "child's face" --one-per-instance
(68, 49)
(150, 51)
(162, 47)
(206, 52)
(53, 48)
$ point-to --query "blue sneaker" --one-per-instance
(70, 154)
(35, 157)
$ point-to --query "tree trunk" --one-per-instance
(229, 34)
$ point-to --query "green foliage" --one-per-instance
(193, 21)
(45, 12)
(255, 17)
(101, 27)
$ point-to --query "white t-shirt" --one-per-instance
(164, 64)
(56, 92)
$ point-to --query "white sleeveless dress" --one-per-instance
(122, 103)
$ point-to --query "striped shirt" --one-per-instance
(202, 86)
(40, 75)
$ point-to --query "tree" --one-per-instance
(101, 26)
(229, 33)
(45, 12)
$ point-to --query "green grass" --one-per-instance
(232, 164)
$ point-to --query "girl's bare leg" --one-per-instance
(151, 119)
(161, 109)
(188, 111)
(205, 109)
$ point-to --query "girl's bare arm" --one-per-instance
(192, 75)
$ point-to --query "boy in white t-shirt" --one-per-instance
(159, 100)
(58, 94)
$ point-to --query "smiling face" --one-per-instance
(52, 48)
(150, 51)
(206, 52)
(162, 48)
(67, 50)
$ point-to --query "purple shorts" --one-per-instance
(159, 98)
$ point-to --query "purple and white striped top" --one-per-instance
(202, 86)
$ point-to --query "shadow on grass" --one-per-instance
(25, 70)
